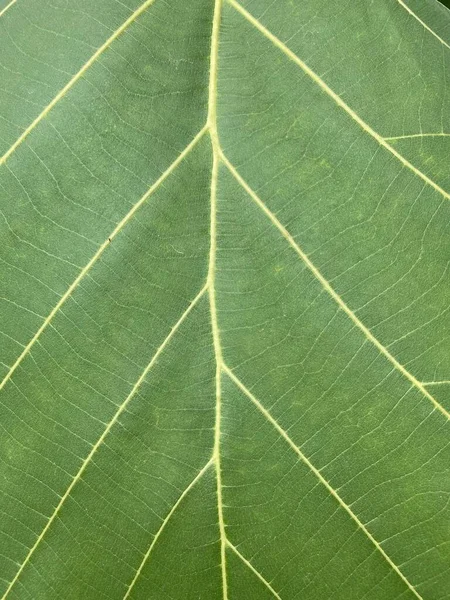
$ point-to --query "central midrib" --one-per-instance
(221, 367)
(212, 128)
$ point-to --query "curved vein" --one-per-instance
(252, 568)
(413, 14)
(319, 476)
(7, 7)
(102, 438)
(75, 78)
(99, 253)
(331, 291)
(337, 99)
(164, 523)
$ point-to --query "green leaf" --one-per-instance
(225, 330)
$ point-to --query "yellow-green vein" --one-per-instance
(424, 25)
(416, 135)
(75, 78)
(248, 564)
(319, 476)
(102, 438)
(330, 290)
(163, 525)
(212, 125)
(7, 7)
(85, 270)
(337, 99)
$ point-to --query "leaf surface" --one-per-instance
(225, 300)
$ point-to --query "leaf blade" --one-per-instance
(287, 435)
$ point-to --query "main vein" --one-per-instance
(86, 269)
(76, 77)
(337, 99)
(102, 438)
(212, 125)
(319, 476)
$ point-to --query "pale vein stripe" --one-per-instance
(8, 6)
(75, 78)
(318, 275)
(101, 439)
(212, 125)
(413, 14)
(252, 568)
(163, 525)
(416, 135)
(443, 382)
(319, 476)
(337, 99)
(98, 254)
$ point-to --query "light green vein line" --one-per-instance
(101, 439)
(331, 291)
(319, 476)
(252, 568)
(337, 99)
(7, 7)
(99, 253)
(413, 14)
(416, 135)
(164, 523)
(212, 126)
(75, 78)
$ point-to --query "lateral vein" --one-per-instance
(413, 14)
(7, 7)
(252, 568)
(337, 99)
(417, 135)
(75, 78)
(319, 476)
(164, 523)
(102, 438)
(331, 291)
(99, 253)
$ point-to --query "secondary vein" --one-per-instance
(7, 7)
(319, 476)
(337, 99)
(163, 525)
(413, 14)
(76, 77)
(98, 254)
(249, 565)
(330, 290)
(102, 438)
(393, 138)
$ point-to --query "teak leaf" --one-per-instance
(225, 339)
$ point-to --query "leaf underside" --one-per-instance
(225, 331)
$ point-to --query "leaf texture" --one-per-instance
(225, 329)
